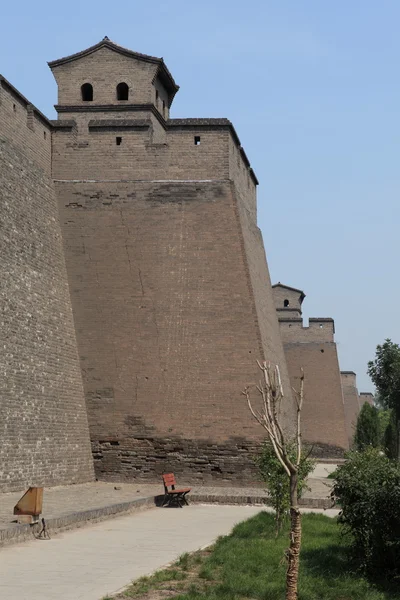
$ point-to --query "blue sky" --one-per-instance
(313, 90)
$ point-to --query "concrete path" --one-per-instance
(89, 563)
(86, 564)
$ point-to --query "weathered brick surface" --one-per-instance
(366, 397)
(351, 402)
(323, 421)
(43, 422)
(167, 324)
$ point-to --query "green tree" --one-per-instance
(384, 419)
(367, 428)
(391, 436)
(385, 374)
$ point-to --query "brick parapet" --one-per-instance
(21, 122)
(319, 330)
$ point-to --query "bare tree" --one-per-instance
(271, 392)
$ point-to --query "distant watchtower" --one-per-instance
(313, 349)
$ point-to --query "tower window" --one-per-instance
(286, 303)
(163, 108)
(122, 91)
(118, 141)
(156, 96)
(87, 92)
(197, 140)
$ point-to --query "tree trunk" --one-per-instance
(292, 574)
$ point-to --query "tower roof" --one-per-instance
(292, 289)
(162, 72)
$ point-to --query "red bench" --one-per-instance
(173, 496)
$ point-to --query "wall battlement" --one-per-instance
(320, 330)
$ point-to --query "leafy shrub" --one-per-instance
(367, 428)
(277, 481)
(367, 488)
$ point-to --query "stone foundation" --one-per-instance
(192, 461)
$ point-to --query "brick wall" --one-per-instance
(323, 421)
(351, 402)
(93, 153)
(43, 421)
(168, 326)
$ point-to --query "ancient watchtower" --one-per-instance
(169, 283)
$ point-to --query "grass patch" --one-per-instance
(248, 564)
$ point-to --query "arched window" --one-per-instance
(87, 92)
(286, 303)
(122, 91)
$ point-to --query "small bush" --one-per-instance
(367, 488)
(277, 481)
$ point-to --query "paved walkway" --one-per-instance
(89, 563)
(64, 500)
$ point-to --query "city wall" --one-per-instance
(43, 421)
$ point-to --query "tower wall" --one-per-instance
(43, 422)
(172, 301)
(323, 422)
(351, 402)
(366, 397)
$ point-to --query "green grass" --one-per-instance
(248, 565)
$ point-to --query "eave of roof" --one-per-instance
(162, 72)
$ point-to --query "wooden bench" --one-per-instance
(173, 496)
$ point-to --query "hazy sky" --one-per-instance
(313, 90)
